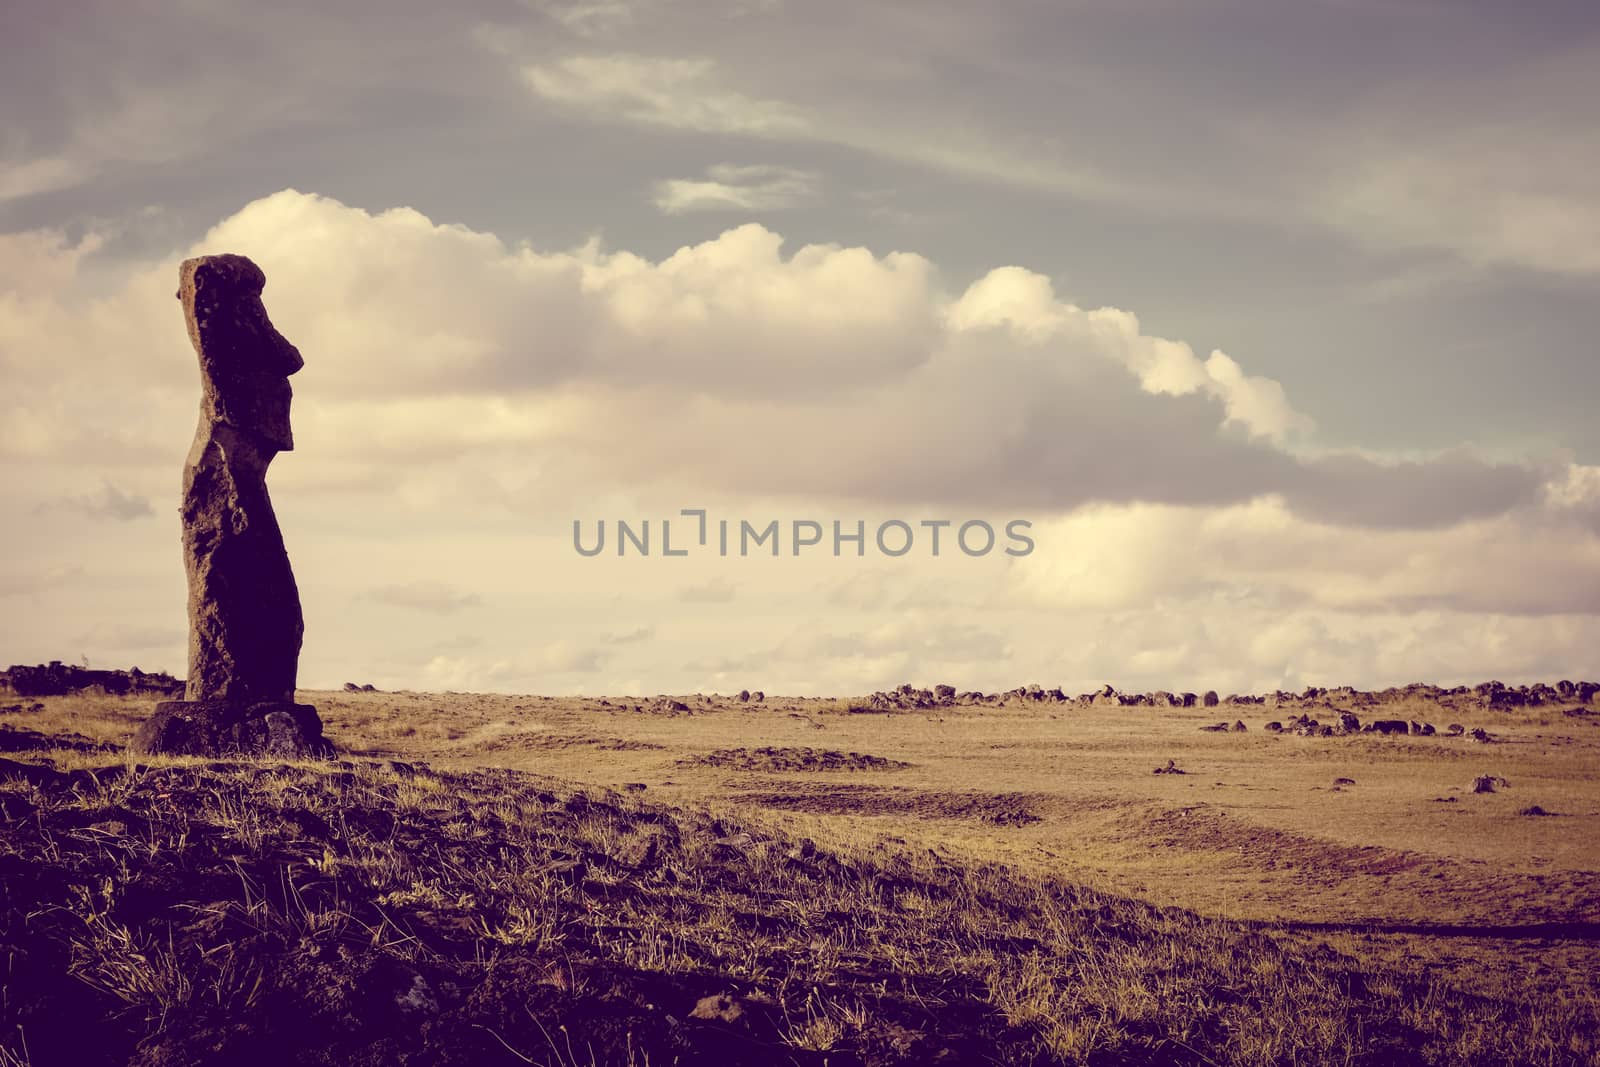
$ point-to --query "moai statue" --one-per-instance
(245, 625)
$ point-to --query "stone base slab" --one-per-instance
(277, 729)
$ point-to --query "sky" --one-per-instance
(1274, 323)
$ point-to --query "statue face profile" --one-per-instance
(245, 362)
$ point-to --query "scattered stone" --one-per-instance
(1216, 728)
(1343, 781)
(1483, 737)
(1534, 809)
(1274, 727)
(721, 1008)
(1239, 727)
(1210, 699)
(1487, 783)
(1170, 768)
(1455, 729)
(417, 998)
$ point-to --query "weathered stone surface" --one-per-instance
(280, 729)
(245, 625)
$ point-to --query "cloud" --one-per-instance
(463, 398)
(31, 582)
(45, 174)
(1490, 165)
(916, 646)
(567, 657)
(734, 188)
(105, 642)
(713, 591)
(109, 503)
(1438, 491)
(603, 19)
(681, 94)
(839, 373)
(530, 670)
(592, 18)
(432, 597)
(1543, 560)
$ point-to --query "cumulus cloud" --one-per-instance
(1542, 560)
(737, 188)
(453, 379)
(812, 659)
(538, 669)
(838, 372)
(567, 657)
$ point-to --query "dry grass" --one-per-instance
(335, 893)
(1245, 912)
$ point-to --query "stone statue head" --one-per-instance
(245, 362)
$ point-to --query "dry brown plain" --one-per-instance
(1402, 863)
(1407, 860)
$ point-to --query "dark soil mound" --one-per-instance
(792, 759)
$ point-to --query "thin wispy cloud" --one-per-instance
(741, 189)
(108, 502)
(713, 591)
(682, 94)
(435, 598)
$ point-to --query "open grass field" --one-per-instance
(1005, 883)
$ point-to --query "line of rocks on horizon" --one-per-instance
(57, 679)
(1491, 694)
